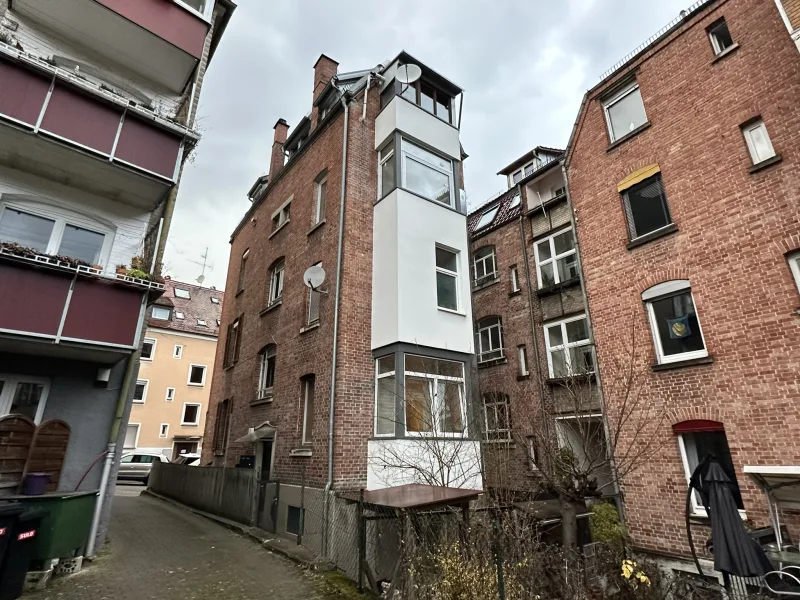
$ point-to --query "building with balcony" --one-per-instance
(96, 113)
(348, 384)
(170, 399)
(687, 218)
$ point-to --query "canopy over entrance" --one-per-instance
(781, 485)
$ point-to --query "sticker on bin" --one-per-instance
(26, 535)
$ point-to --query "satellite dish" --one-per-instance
(408, 73)
(314, 277)
(201, 279)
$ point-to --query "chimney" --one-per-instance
(277, 159)
(324, 70)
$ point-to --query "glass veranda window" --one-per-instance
(427, 174)
(434, 396)
(385, 396)
(556, 259)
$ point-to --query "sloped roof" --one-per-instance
(197, 307)
(505, 213)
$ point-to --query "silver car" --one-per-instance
(136, 466)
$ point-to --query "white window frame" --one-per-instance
(659, 292)
(794, 266)
(406, 156)
(177, 351)
(61, 218)
(433, 386)
(522, 355)
(180, 315)
(189, 377)
(314, 296)
(747, 131)
(306, 439)
(607, 104)
(499, 400)
(378, 377)
(184, 422)
(478, 347)
(202, 323)
(383, 158)
(449, 273)
(162, 432)
(319, 201)
(263, 391)
(136, 441)
(489, 276)
(566, 345)
(554, 258)
(10, 382)
(146, 383)
(208, 9)
(242, 271)
(183, 295)
(283, 214)
(513, 274)
(715, 40)
(214, 300)
(169, 397)
(155, 308)
(153, 342)
(492, 215)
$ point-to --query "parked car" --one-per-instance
(188, 459)
(136, 466)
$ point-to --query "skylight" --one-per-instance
(487, 217)
(515, 201)
(214, 300)
(180, 315)
(202, 323)
(181, 293)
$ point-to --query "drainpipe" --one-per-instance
(329, 484)
(113, 435)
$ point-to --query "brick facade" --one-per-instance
(733, 229)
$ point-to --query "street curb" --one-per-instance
(267, 540)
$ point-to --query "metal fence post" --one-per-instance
(498, 558)
(362, 541)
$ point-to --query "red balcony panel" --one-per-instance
(148, 146)
(102, 311)
(167, 20)
(32, 300)
(82, 119)
(22, 92)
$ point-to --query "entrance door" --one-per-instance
(23, 396)
(263, 465)
(183, 448)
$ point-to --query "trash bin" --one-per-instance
(8, 519)
(17, 557)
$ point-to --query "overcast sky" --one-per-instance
(524, 66)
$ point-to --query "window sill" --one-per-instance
(523, 377)
(197, 384)
(508, 442)
(513, 293)
(553, 289)
(279, 229)
(301, 452)
(653, 235)
(311, 327)
(139, 402)
(190, 424)
(492, 363)
(728, 51)
(260, 401)
(452, 312)
(680, 364)
(315, 227)
(239, 293)
(766, 163)
(485, 284)
(275, 304)
(629, 135)
(577, 378)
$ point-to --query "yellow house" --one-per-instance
(172, 390)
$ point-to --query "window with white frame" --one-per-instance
(522, 354)
(446, 278)
(266, 373)
(515, 201)
(794, 266)
(758, 142)
(131, 437)
(148, 349)
(427, 174)
(673, 320)
(50, 232)
(202, 323)
(720, 36)
(170, 394)
(435, 403)
(487, 217)
(484, 265)
(202, 8)
(161, 312)
(497, 417)
(214, 300)
(242, 270)
(696, 443)
(385, 395)
(556, 258)
(276, 274)
(513, 277)
(197, 375)
(314, 297)
(140, 391)
(387, 178)
(624, 111)
(177, 351)
(191, 414)
(22, 395)
(181, 293)
(281, 216)
(489, 339)
(163, 430)
(646, 208)
(180, 315)
(320, 195)
(569, 350)
(533, 453)
(308, 409)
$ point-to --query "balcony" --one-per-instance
(54, 308)
(61, 128)
(157, 39)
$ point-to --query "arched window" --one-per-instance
(489, 339)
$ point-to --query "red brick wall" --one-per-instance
(299, 354)
(733, 230)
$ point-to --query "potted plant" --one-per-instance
(122, 269)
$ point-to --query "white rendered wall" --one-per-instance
(544, 187)
(402, 115)
(384, 272)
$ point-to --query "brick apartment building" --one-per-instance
(682, 170)
(97, 105)
(393, 314)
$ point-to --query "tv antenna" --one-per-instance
(204, 264)
(314, 277)
(408, 74)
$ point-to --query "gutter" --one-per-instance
(345, 100)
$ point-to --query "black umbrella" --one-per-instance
(735, 552)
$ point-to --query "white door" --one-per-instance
(23, 396)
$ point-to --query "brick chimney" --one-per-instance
(324, 70)
(277, 159)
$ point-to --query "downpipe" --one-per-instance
(98, 507)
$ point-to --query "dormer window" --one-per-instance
(179, 315)
(214, 300)
(202, 323)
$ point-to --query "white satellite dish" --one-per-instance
(314, 277)
(408, 73)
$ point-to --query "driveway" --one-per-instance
(157, 551)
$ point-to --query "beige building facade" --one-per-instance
(172, 389)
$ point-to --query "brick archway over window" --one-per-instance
(697, 426)
(706, 413)
(661, 277)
